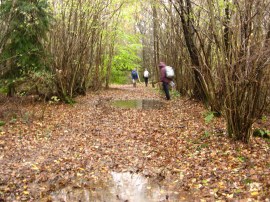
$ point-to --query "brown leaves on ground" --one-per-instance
(49, 146)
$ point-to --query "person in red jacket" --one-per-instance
(165, 81)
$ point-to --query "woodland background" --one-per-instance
(56, 51)
(219, 49)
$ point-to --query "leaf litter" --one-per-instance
(58, 146)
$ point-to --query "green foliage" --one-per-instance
(14, 119)
(264, 133)
(126, 57)
(242, 159)
(119, 76)
(205, 135)
(202, 146)
(127, 52)
(264, 118)
(2, 123)
(248, 181)
(69, 100)
(28, 28)
(175, 94)
(3, 89)
(40, 82)
(209, 116)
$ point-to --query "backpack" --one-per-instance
(146, 74)
(169, 72)
(134, 74)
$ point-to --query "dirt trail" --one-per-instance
(81, 145)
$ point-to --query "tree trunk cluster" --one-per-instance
(220, 51)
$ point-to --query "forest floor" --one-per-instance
(46, 148)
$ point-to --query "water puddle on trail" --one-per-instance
(138, 104)
(124, 187)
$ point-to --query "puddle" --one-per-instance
(138, 104)
(124, 187)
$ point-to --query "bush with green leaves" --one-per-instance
(119, 76)
(126, 58)
(2, 123)
(24, 51)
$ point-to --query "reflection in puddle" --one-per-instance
(138, 104)
(123, 187)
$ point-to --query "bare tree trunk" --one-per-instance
(156, 40)
(188, 28)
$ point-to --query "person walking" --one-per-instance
(165, 81)
(134, 76)
(146, 76)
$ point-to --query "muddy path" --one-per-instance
(96, 151)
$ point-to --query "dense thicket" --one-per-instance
(25, 24)
(80, 45)
(223, 46)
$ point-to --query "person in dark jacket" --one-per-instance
(165, 81)
(134, 76)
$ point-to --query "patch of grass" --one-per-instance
(205, 135)
(202, 146)
(238, 150)
(208, 117)
(248, 181)
(3, 90)
(264, 118)
(175, 94)
(264, 133)
(13, 120)
(69, 100)
(195, 141)
(2, 123)
(242, 158)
